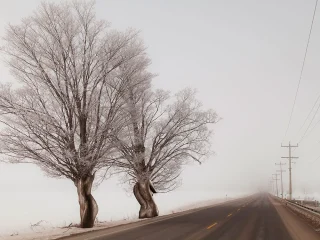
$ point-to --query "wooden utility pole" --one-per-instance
(281, 171)
(290, 175)
(276, 179)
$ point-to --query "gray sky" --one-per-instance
(244, 57)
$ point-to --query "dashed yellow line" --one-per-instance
(211, 226)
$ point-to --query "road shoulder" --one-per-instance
(129, 226)
(298, 229)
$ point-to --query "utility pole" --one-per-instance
(281, 171)
(290, 175)
(276, 174)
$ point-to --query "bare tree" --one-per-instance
(67, 63)
(161, 135)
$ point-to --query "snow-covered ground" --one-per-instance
(30, 198)
(46, 231)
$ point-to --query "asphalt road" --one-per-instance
(254, 218)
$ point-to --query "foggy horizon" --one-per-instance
(244, 59)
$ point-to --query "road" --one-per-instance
(253, 218)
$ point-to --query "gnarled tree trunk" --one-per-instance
(142, 192)
(88, 206)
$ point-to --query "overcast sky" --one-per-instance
(244, 57)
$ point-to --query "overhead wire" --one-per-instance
(305, 132)
(301, 72)
(313, 128)
(305, 121)
(315, 160)
(306, 135)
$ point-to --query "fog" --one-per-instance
(244, 58)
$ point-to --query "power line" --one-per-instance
(309, 124)
(301, 72)
(311, 129)
(315, 160)
(305, 121)
(314, 145)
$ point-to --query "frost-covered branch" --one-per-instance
(70, 93)
(163, 133)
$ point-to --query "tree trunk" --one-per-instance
(148, 207)
(88, 206)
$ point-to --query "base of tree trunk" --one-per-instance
(88, 205)
(148, 208)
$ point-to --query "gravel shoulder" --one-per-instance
(298, 228)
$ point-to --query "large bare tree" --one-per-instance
(69, 93)
(161, 135)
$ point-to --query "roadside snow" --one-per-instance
(49, 233)
(45, 231)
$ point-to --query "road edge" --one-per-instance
(297, 228)
(145, 222)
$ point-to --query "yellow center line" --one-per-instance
(211, 226)
(229, 214)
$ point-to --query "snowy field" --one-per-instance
(44, 230)
(32, 197)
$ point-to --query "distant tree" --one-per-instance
(69, 94)
(161, 134)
